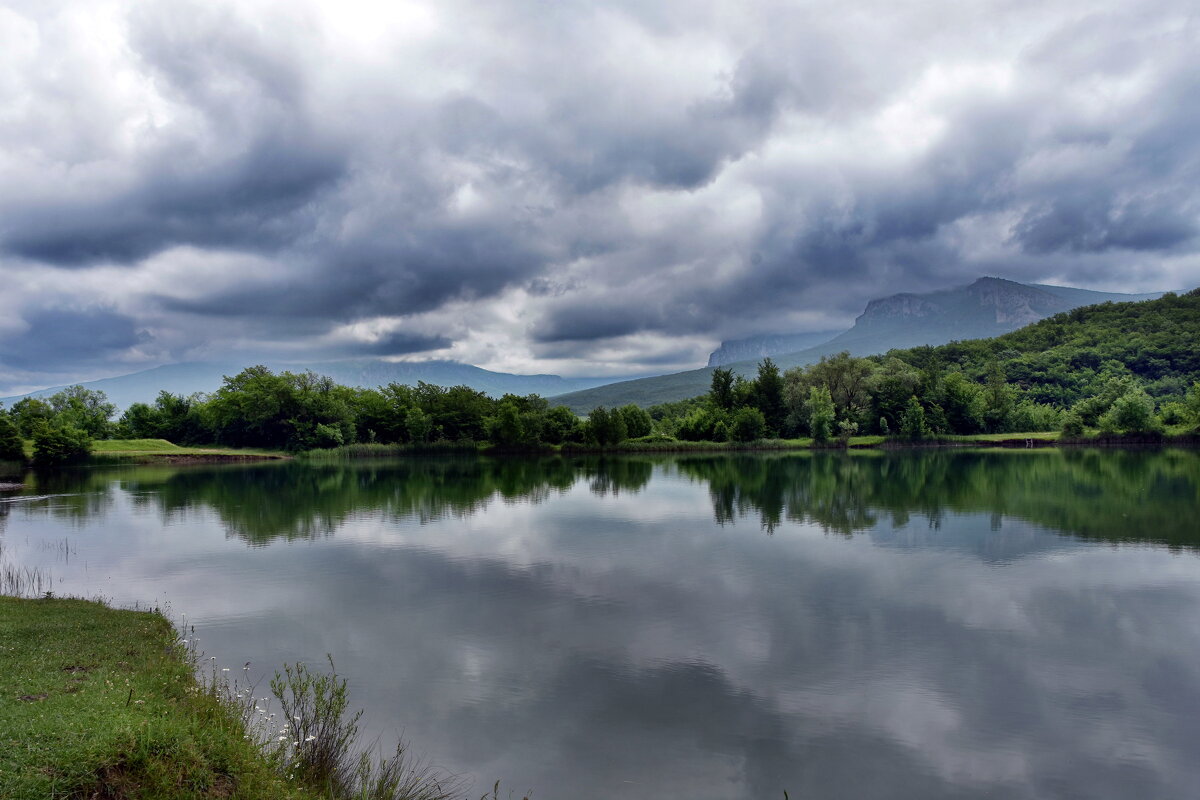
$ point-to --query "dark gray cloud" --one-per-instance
(69, 338)
(579, 189)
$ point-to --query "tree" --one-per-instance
(637, 421)
(912, 422)
(507, 428)
(821, 413)
(12, 446)
(85, 409)
(606, 427)
(890, 388)
(848, 380)
(721, 393)
(746, 425)
(27, 413)
(54, 445)
(768, 395)
(962, 401)
(1132, 412)
(561, 425)
(1192, 402)
(998, 399)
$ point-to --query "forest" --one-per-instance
(1111, 368)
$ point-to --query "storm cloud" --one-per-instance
(577, 188)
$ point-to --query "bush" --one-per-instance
(12, 446)
(60, 444)
(1072, 425)
(748, 425)
(1174, 413)
(1133, 412)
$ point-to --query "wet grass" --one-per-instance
(103, 703)
(98, 703)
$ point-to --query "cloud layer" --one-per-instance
(574, 188)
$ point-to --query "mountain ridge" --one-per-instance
(189, 377)
(897, 321)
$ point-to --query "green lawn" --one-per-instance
(162, 447)
(97, 702)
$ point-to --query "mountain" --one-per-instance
(206, 376)
(986, 308)
(758, 347)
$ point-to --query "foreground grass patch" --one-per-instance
(101, 703)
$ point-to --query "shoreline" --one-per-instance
(107, 703)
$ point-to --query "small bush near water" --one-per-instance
(315, 741)
(320, 745)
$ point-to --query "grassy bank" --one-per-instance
(101, 703)
(1183, 437)
(149, 451)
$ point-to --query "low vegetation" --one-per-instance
(105, 703)
(100, 703)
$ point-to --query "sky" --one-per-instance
(563, 186)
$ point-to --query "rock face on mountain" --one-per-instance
(757, 347)
(987, 307)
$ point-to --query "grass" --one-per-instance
(161, 447)
(103, 703)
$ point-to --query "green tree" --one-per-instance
(637, 421)
(912, 422)
(821, 413)
(998, 399)
(561, 425)
(1132, 412)
(12, 446)
(721, 394)
(54, 445)
(28, 413)
(768, 395)
(85, 409)
(746, 425)
(962, 401)
(1192, 401)
(507, 428)
(606, 427)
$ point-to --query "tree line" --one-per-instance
(258, 408)
(1114, 367)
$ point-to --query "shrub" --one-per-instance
(748, 424)
(12, 446)
(1072, 425)
(321, 745)
(1133, 412)
(60, 444)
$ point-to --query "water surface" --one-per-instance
(912, 625)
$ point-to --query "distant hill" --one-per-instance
(986, 308)
(1069, 356)
(206, 376)
(770, 344)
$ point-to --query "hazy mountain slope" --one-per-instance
(986, 308)
(206, 376)
(770, 344)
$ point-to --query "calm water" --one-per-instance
(918, 625)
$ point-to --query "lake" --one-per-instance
(935, 624)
